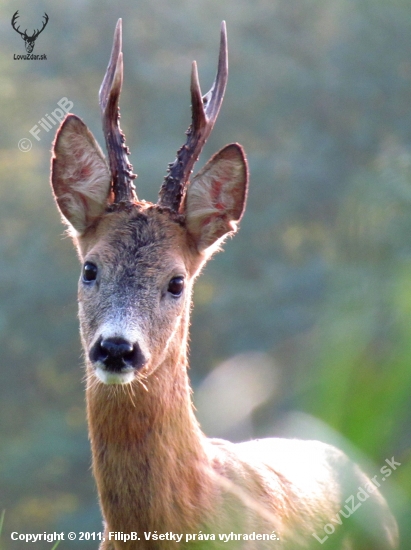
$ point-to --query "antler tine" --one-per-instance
(109, 94)
(205, 110)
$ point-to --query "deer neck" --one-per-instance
(148, 456)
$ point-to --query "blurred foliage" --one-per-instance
(319, 279)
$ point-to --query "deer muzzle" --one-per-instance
(116, 356)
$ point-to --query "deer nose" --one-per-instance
(117, 354)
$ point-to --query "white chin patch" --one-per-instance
(111, 378)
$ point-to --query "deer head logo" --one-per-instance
(29, 41)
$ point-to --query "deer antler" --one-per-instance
(46, 19)
(205, 110)
(24, 34)
(120, 167)
(13, 24)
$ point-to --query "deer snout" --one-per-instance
(117, 355)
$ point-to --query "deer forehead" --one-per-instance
(146, 239)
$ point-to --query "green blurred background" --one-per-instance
(302, 327)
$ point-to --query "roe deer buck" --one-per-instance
(156, 472)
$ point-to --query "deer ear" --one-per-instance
(216, 197)
(79, 174)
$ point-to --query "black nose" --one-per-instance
(117, 354)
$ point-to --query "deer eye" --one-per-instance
(176, 286)
(89, 273)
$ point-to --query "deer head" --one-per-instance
(140, 259)
(29, 41)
